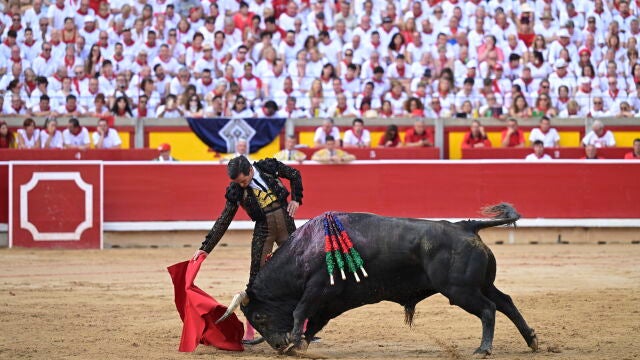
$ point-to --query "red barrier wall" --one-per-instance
(432, 190)
(520, 153)
(439, 189)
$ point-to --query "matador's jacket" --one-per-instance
(271, 170)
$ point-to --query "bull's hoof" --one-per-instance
(482, 352)
(533, 341)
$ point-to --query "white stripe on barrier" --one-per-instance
(248, 225)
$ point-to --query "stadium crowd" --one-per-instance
(317, 58)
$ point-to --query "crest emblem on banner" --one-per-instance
(234, 130)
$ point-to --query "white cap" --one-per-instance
(560, 63)
(563, 33)
(472, 64)
(89, 18)
(584, 80)
(526, 8)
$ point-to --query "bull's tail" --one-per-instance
(502, 214)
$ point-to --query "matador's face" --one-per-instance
(244, 180)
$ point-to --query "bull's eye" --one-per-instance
(260, 318)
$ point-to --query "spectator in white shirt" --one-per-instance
(51, 137)
(357, 136)
(327, 129)
(545, 133)
(599, 136)
(75, 136)
(105, 137)
(538, 152)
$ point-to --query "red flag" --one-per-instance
(199, 312)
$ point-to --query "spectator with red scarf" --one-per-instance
(512, 136)
(476, 137)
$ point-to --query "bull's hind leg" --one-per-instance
(474, 302)
(505, 305)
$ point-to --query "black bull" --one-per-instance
(407, 261)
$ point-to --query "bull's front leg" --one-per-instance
(306, 308)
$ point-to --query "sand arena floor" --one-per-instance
(583, 301)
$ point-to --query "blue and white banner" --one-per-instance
(221, 134)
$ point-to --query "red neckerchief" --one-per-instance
(121, 112)
(495, 86)
(359, 137)
(614, 94)
(142, 112)
(93, 92)
(71, 110)
(150, 44)
(16, 28)
(15, 60)
(55, 43)
(103, 17)
(6, 42)
(31, 85)
(420, 93)
(564, 101)
(207, 82)
(229, 79)
(375, 45)
(75, 131)
(60, 7)
(288, 92)
(401, 71)
(76, 83)
(599, 12)
(118, 58)
(85, 12)
(69, 63)
(141, 63)
(218, 47)
(55, 76)
(18, 109)
(443, 94)
(129, 42)
(453, 30)
(196, 48)
(396, 97)
(29, 44)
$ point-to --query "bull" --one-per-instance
(407, 260)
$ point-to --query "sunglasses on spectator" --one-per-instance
(597, 103)
(544, 86)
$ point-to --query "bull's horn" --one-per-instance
(239, 298)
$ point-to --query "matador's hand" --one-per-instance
(198, 254)
(292, 208)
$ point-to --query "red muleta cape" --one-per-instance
(199, 312)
